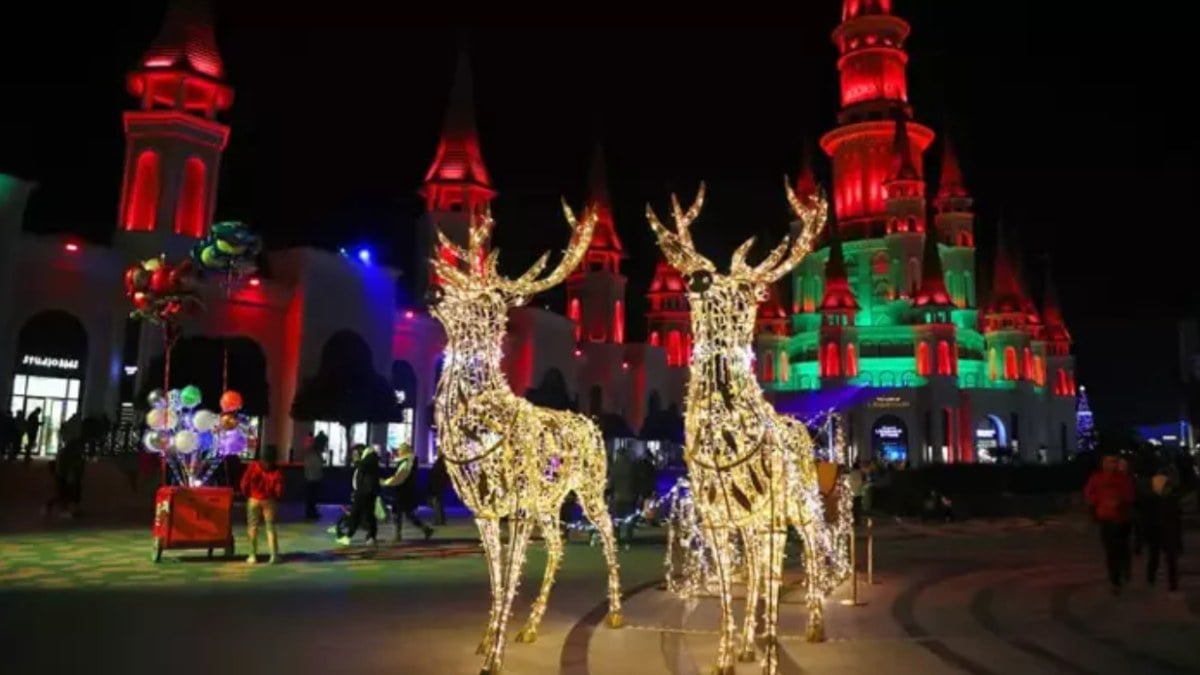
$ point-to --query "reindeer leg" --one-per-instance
(774, 547)
(596, 512)
(554, 552)
(511, 573)
(721, 545)
(489, 534)
(754, 569)
(813, 567)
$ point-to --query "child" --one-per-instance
(404, 497)
(263, 485)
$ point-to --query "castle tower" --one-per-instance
(596, 289)
(874, 89)
(770, 339)
(936, 346)
(837, 354)
(668, 319)
(173, 141)
(1059, 366)
(457, 183)
(955, 225)
(1010, 322)
(904, 193)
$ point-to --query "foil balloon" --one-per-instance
(231, 401)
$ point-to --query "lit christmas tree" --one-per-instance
(1085, 427)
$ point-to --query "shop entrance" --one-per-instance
(48, 378)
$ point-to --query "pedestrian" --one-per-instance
(857, 485)
(1109, 492)
(33, 424)
(68, 468)
(439, 482)
(623, 479)
(365, 487)
(262, 483)
(8, 425)
(1164, 528)
(405, 495)
(314, 471)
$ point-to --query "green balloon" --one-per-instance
(210, 258)
(190, 396)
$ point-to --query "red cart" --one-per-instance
(193, 517)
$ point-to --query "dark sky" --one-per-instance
(1069, 120)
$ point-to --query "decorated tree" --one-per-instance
(1085, 426)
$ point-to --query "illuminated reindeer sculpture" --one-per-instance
(752, 471)
(506, 457)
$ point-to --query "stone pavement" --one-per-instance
(982, 597)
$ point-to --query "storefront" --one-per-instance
(48, 377)
(889, 439)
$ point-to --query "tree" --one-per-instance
(1085, 426)
(346, 388)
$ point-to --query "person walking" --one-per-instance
(33, 425)
(365, 491)
(314, 471)
(1109, 492)
(858, 483)
(405, 495)
(68, 468)
(439, 482)
(1163, 528)
(262, 483)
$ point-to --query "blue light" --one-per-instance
(364, 256)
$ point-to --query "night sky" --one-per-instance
(1068, 118)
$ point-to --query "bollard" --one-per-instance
(853, 600)
(870, 552)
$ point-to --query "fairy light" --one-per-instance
(753, 471)
(506, 457)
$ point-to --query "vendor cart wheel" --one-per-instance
(156, 555)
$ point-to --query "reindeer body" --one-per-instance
(507, 458)
(753, 471)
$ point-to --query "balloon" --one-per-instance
(157, 441)
(204, 420)
(162, 419)
(229, 247)
(151, 264)
(140, 300)
(155, 399)
(190, 396)
(231, 401)
(160, 280)
(210, 258)
(232, 442)
(173, 398)
(186, 441)
(229, 421)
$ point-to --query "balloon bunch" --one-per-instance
(159, 291)
(230, 247)
(193, 440)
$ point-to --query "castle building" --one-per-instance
(886, 319)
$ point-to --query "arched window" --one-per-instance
(964, 239)
(1027, 363)
(1010, 364)
(923, 358)
(654, 338)
(992, 367)
(851, 361)
(879, 264)
(675, 349)
(914, 275)
(142, 208)
(833, 360)
(619, 322)
(1039, 371)
(784, 367)
(574, 314)
(768, 369)
(945, 365)
(191, 212)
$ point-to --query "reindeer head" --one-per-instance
(724, 305)
(471, 298)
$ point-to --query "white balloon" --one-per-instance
(204, 420)
(162, 419)
(186, 441)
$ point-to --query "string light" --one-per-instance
(506, 457)
(753, 471)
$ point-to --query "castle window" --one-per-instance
(833, 361)
(945, 365)
(851, 361)
(142, 209)
(923, 358)
(192, 210)
(1010, 364)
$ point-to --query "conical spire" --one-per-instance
(605, 233)
(952, 180)
(1007, 294)
(1056, 327)
(772, 317)
(458, 156)
(806, 180)
(186, 40)
(902, 157)
(838, 296)
(933, 282)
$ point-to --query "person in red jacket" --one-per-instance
(263, 485)
(1110, 493)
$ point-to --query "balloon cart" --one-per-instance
(193, 518)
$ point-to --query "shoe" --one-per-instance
(428, 533)
(272, 560)
(251, 560)
(332, 529)
(343, 541)
(371, 543)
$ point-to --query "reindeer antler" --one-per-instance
(528, 284)
(813, 212)
(678, 246)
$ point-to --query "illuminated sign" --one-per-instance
(50, 362)
(889, 431)
(889, 401)
(985, 433)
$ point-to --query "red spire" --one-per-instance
(605, 235)
(186, 40)
(1056, 327)
(838, 296)
(458, 158)
(952, 179)
(806, 181)
(902, 157)
(667, 280)
(772, 317)
(1008, 297)
(933, 283)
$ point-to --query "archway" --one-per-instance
(991, 439)
(200, 360)
(51, 360)
(889, 439)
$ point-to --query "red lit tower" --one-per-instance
(457, 183)
(874, 90)
(1058, 366)
(669, 320)
(837, 354)
(770, 341)
(173, 141)
(1010, 321)
(596, 289)
(955, 226)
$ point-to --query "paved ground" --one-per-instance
(981, 597)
